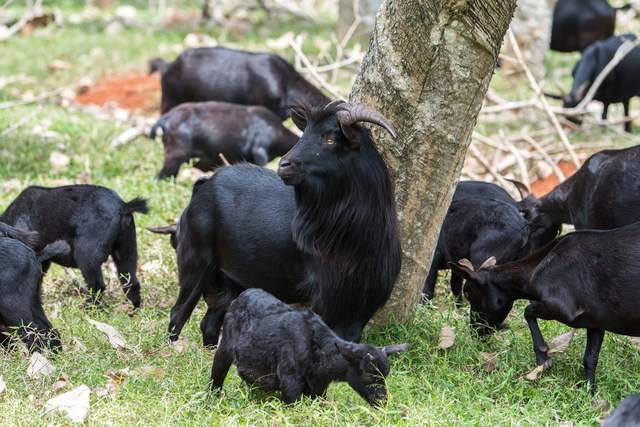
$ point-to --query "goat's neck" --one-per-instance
(515, 277)
(333, 366)
(556, 203)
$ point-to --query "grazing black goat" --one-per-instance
(94, 221)
(278, 348)
(620, 85)
(603, 194)
(578, 23)
(324, 232)
(234, 76)
(20, 300)
(29, 238)
(478, 228)
(464, 190)
(627, 414)
(204, 130)
(586, 279)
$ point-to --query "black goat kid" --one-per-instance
(294, 351)
(204, 130)
(20, 301)
(94, 221)
(586, 279)
(328, 237)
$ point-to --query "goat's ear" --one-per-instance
(395, 348)
(488, 263)
(299, 116)
(349, 352)
(351, 135)
(464, 268)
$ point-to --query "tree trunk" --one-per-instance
(427, 70)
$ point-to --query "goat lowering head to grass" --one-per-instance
(328, 237)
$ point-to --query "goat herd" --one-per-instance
(323, 230)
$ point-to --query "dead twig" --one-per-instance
(224, 159)
(543, 102)
(20, 122)
(296, 46)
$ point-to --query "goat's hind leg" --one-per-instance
(218, 301)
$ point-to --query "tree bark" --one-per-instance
(427, 70)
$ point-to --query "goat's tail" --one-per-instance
(158, 125)
(57, 248)
(29, 238)
(159, 65)
(136, 205)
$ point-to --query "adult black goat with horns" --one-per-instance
(324, 232)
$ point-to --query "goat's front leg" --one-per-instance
(591, 353)
(532, 313)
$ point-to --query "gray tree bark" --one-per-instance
(427, 70)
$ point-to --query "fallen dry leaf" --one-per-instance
(489, 361)
(60, 383)
(116, 380)
(151, 371)
(179, 346)
(101, 392)
(59, 162)
(601, 405)
(3, 385)
(77, 345)
(74, 403)
(535, 374)
(560, 343)
(58, 64)
(115, 338)
(447, 338)
(39, 366)
(635, 341)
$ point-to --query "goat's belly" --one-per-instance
(266, 380)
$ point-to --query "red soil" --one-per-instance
(543, 186)
(129, 91)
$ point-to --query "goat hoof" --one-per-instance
(547, 364)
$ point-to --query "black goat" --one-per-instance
(29, 238)
(234, 76)
(586, 279)
(207, 129)
(464, 190)
(20, 301)
(479, 228)
(579, 23)
(278, 348)
(627, 414)
(603, 194)
(94, 221)
(325, 232)
(620, 85)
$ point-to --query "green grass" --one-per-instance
(427, 386)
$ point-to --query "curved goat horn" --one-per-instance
(349, 114)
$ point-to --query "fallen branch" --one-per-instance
(312, 70)
(545, 106)
(224, 159)
(20, 122)
(485, 163)
(509, 105)
(24, 19)
(545, 156)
